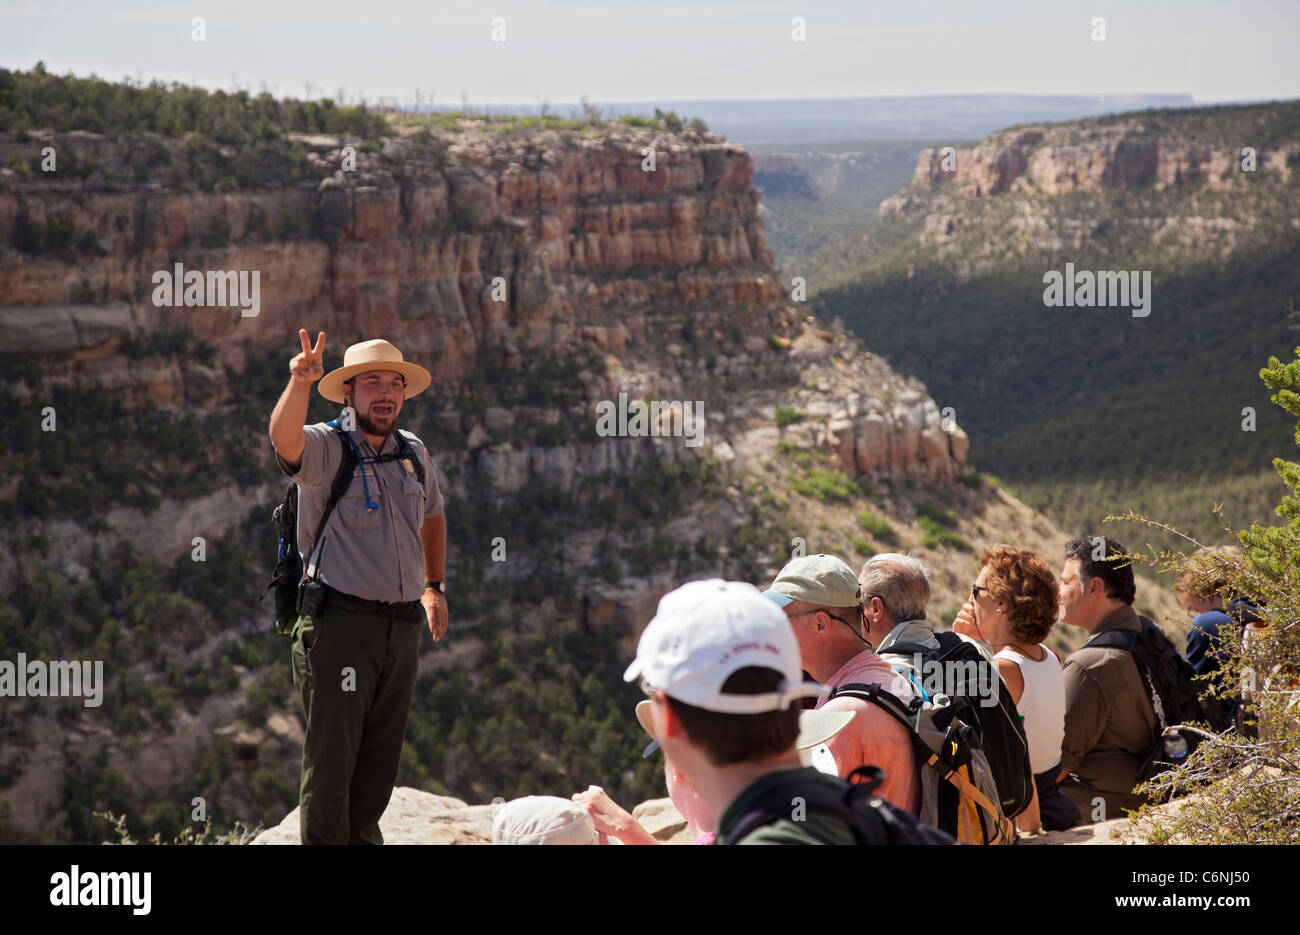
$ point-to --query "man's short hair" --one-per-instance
(738, 738)
(900, 582)
(1114, 568)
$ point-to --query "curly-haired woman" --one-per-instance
(1013, 607)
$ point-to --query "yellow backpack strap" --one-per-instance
(1005, 829)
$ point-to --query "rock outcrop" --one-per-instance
(416, 817)
(1190, 189)
(1059, 160)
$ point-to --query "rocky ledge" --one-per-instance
(415, 817)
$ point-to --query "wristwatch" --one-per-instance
(439, 586)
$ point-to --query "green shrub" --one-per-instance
(826, 486)
(937, 515)
(971, 479)
(936, 536)
(785, 416)
(1246, 781)
(876, 525)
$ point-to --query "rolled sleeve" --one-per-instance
(1085, 716)
(316, 467)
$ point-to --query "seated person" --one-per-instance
(815, 727)
(819, 596)
(722, 670)
(1014, 605)
(1110, 724)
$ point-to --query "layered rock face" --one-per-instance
(868, 419)
(1208, 185)
(1057, 161)
(488, 242)
(521, 246)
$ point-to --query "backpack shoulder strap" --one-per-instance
(948, 641)
(406, 450)
(901, 711)
(343, 476)
(338, 487)
(1116, 639)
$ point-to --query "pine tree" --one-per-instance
(1247, 781)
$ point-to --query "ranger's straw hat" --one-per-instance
(374, 355)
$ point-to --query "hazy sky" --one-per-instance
(657, 50)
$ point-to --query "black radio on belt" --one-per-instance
(311, 593)
(311, 598)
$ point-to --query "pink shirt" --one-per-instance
(874, 737)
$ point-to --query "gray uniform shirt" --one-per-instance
(372, 554)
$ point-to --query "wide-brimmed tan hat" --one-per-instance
(815, 727)
(374, 355)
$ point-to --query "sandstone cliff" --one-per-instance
(1150, 186)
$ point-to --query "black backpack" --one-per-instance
(288, 578)
(871, 819)
(1001, 730)
(1175, 697)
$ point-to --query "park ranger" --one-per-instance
(378, 576)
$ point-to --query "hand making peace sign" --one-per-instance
(309, 366)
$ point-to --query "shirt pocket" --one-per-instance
(412, 501)
(356, 516)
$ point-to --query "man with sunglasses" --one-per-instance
(819, 595)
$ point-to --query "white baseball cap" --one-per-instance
(705, 631)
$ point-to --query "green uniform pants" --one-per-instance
(355, 672)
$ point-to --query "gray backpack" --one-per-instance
(958, 792)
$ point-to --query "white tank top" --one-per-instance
(1042, 704)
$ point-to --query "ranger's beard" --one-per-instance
(370, 427)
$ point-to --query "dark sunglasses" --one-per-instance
(975, 590)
